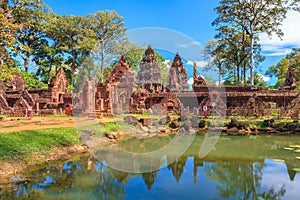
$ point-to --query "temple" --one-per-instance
(122, 93)
(15, 97)
(126, 92)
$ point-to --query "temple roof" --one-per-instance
(119, 70)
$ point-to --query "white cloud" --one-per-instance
(264, 78)
(275, 46)
(191, 81)
(198, 63)
(167, 63)
(217, 82)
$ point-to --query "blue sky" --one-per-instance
(190, 18)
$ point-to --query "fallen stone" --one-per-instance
(152, 129)
(85, 137)
(112, 135)
(186, 126)
(146, 121)
(268, 122)
(163, 130)
(174, 124)
(131, 120)
(233, 131)
(145, 129)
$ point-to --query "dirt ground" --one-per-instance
(20, 124)
(8, 124)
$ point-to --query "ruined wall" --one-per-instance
(15, 97)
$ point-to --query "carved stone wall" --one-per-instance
(16, 84)
(15, 97)
(58, 87)
(149, 75)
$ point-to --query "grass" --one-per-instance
(107, 127)
(21, 145)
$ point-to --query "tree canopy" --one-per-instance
(32, 34)
(240, 21)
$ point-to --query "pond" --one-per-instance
(260, 167)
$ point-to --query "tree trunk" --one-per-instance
(73, 70)
(245, 73)
(102, 63)
(49, 73)
(26, 64)
(234, 76)
(219, 76)
(251, 65)
(238, 75)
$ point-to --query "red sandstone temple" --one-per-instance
(16, 98)
(122, 93)
(127, 92)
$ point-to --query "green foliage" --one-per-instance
(214, 53)
(108, 30)
(29, 31)
(32, 80)
(21, 145)
(258, 80)
(280, 69)
(249, 18)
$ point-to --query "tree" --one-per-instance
(29, 14)
(49, 51)
(253, 17)
(8, 29)
(259, 81)
(132, 53)
(214, 53)
(280, 69)
(240, 180)
(235, 48)
(75, 39)
(109, 29)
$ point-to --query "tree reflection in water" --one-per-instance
(241, 180)
(82, 179)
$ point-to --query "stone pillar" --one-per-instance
(88, 96)
(37, 107)
(101, 104)
(195, 71)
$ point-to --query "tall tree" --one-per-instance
(29, 14)
(49, 51)
(214, 53)
(253, 17)
(109, 29)
(76, 40)
(8, 29)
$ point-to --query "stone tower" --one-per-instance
(177, 78)
(149, 76)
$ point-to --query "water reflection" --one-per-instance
(241, 180)
(222, 175)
